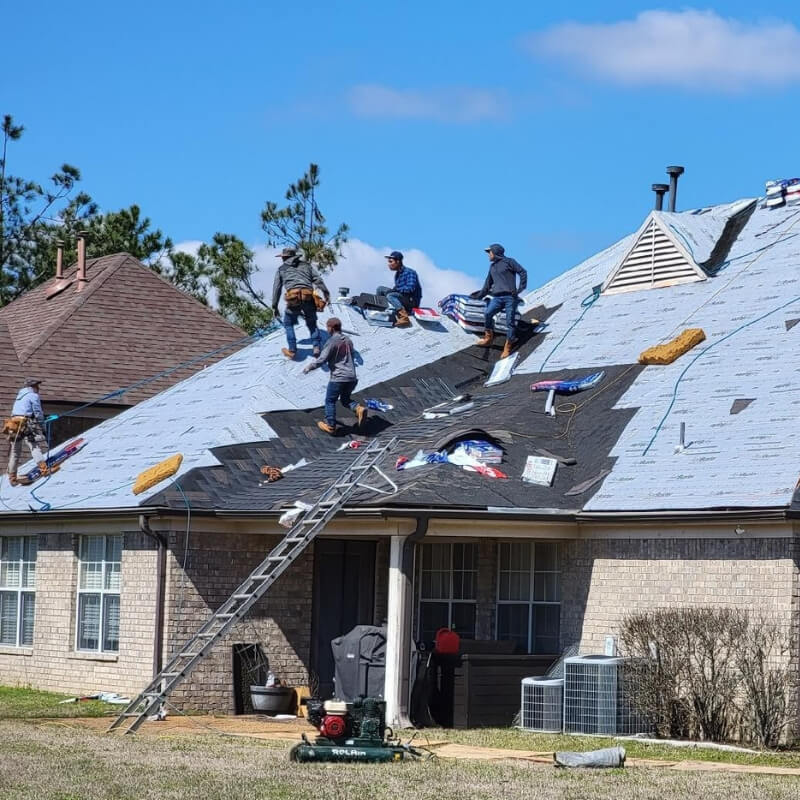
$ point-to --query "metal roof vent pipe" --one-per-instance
(674, 173)
(81, 259)
(59, 260)
(660, 189)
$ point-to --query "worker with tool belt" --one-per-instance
(406, 294)
(298, 278)
(338, 355)
(501, 287)
(26, 425)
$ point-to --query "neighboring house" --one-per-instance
(107, 327)
(646, 517)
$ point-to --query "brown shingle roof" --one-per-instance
(127, 323)
(11, 373)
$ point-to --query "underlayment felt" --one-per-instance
(746, 305)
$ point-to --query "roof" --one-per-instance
(255, 407)
(126, 324)
(10, 368)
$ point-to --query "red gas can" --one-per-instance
(447, 642)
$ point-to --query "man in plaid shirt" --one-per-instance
(407, 291)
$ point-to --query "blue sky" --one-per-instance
(439, 127)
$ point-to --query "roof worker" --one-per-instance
(26, 424)
(298, 278)
(338, 355)
(501, 287)
(406, 293)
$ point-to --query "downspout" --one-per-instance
(398, 629)
(161, 575)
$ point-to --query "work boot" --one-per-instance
(323, 426)
(401, 318)
(486, 340)
(12, 479)
(46, 469)
(361, 414)
(508, 348)
(290, 354)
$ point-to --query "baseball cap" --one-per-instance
(32, 382)
(395, 254)
(497, 249)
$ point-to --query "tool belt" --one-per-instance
(15, 426)
(319, 302)
(295, 298)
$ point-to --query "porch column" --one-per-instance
(397, 637)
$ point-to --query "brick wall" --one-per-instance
(603, 579)
(280, 622)
(52, 663)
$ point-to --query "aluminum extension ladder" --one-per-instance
(297, 538)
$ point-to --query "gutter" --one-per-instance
(721, 514)
(161, 580)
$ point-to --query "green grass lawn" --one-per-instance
(515, 739)
(57, 761)
(21, 703)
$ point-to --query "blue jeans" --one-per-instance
(290, 316)
(396, 300)
(338, 390)
(505, 302)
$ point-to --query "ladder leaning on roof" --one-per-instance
(297, 538)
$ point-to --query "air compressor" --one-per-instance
(351, 732)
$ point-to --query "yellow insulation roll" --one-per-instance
(668, 352)
(153, 475)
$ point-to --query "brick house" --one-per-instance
(682, 490)
(102, 328)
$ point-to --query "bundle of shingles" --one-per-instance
(470, 314)
(785, 191)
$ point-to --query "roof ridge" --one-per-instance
(175, 288)
(78, 302)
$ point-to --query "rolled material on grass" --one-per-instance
(607, 757)
(670, 351)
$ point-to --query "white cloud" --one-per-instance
(363, 268)
(451, 104)
(690, 49)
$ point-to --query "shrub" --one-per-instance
(708, 673)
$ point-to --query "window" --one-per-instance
(100, 559)
(529, 596)
(448, 589)
(17, 589)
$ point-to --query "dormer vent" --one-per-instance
(658, 258)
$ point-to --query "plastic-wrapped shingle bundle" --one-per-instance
(775, 191)
(792, 194)
(470, 313)
(483, 451)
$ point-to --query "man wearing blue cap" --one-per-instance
(501, 287)
(406, 293)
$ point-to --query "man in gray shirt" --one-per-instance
(27, 425)
(338, 355)
(297, 279)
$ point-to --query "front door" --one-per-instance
(344, 596)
